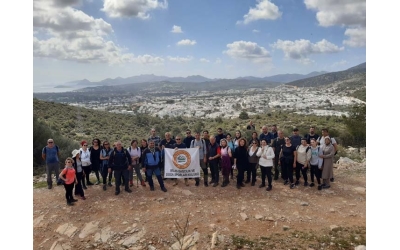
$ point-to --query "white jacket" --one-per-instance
(266, 156)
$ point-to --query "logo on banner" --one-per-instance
(181, 159)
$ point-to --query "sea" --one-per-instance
(51, 89)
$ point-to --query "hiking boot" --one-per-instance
(312, 184)
(151, 188)
(74, 200)
(97, 183)
(128, 190)
(247, 181)
(332, 179)
(286, 182)
(69, 203)
(292, 186)
(205, 184)
(131, 183)
(242, 185)
(215, 184)
(117, 192)
(296, 183)
(326, 186)
(104, 187)
(319, 187)
(261, 185)
(269, 188)
(109, 184)
(238, 186)
(305, 184)
(164, 189)
(143, 183)
(224, 184)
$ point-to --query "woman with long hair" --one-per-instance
(105, 156)
(232, 147)
(226, 166)
(288, 158)
(266, 163)
(79, 174)
(95, 158)
(253, 161)
(84, 154)
(238, 136)
(241, 161)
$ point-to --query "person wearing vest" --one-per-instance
(241, 161)
(266, 154)
(315, 163)
(253, 161)
(303, 158)
(214, 153)
(201, 145)
(120, 162)
(105, 156)
(51, 154)
(151, 164)
(277, 146)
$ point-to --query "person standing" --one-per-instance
(84, 153)
(188, 139)
(251, 126)
(69, 180)
(311, 135)
(143, 146)
(253, 161)
(295, 139)
(165, 143)
(51, 154)
(232, 146)
(155, 138)
(214, 153)
(303, 158)
(105, 157)
(95, 158)
(315, 163)
(266, 163)
(328, 152)
(277, 146)
(254, 136)
(321, 142)
(201, 145)
(179, 144)
(226, 155)
(120, 162)
(219, 136)
(274, 132)
(265, 135)
(135, 153)
(151, 164)
(288, 160)
(241, 161)
(79, 174)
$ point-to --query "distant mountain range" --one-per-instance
(328, 78)
(281, 78)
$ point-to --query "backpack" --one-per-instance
(202, 143)
(319, 138)
(44, 149)
(308, 148)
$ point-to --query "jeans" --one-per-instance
(118, 174)
(78, 186)
(240, 175)
(266, 171)
(87, 170)
(314, 170)
(157, 172)
(137, 170)
(50, 167)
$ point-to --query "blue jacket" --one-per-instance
(267, 137)
(119, 160)
(151, 160)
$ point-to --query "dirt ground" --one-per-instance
(219, 218)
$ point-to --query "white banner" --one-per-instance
(182, 163)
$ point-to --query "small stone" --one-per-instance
(258, 217)
(332, 210)
(360, 247)
(304, 203)
(244, 216)
(124, 223)
(285, 228)
(334, 228)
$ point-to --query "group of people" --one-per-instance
(275, 154)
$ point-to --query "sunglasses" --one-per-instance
(50, 142)
(254, 142)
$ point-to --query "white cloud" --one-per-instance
(180, 59)
(65, 3)
(301, 49)
(204, 60)
(356, 37)
(345, 13)
(256, 31)
(339, 12)
(176, 29)
(248, 51)
(263, 10)
(218, 61)
(73, 35)
(132, 8)
(186, 42)
(148, 59)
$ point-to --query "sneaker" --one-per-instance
(117, 192)
(312, 184)
(151, 188)
(197, 183)
(292, 186)
(326, 186)
(83, 198)
(319, 187)
(205, 184)
(89, 183)
(109, 184)
(215, 184)
(69, 203)
(164, 189)
(97, 183)
(74, 200)
(49, 186)
(286, 182)
(296, 183)
(104, 187)
(248, 181)
(261, 185)
(269, 188)
(143, 183)
(305, 184)
(128, 190)
(332, 179)
(84, 187)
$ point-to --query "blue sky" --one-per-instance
(77, 39)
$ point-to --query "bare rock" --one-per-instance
(67, 229)
(37, 221)
(187, 192)
(259, 217)
(188, 242)
(285, 228)
(90, 228)
(360, 247)
(303, 203)
(244, 216)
